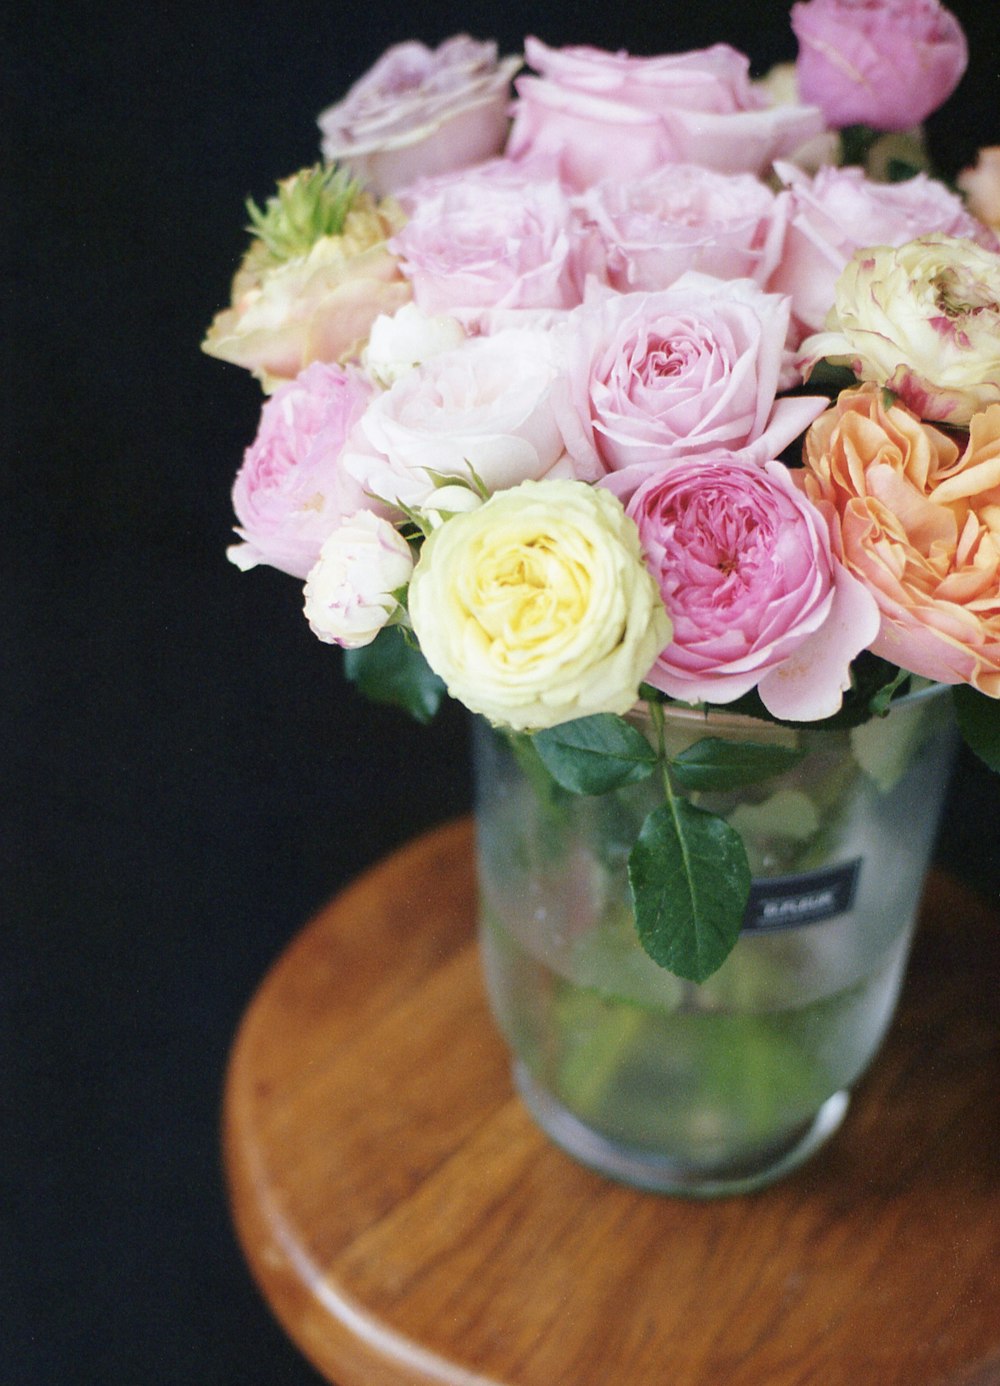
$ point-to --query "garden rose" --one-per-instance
(537, 608)
(918, 522)
(349, 591)
(405, 339)
(292, 490)
(485, 409)
(981, 185)
(495, 237)
(645, 234)
(609, 115)
(883, 63)
(923, 320)
(420, 111)
(755, 594)
(691, 369)
(314, 307)
(839, 211)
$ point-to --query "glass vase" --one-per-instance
(719, 1087)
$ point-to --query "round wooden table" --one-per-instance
(409, 1225)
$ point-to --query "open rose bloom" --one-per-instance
(559, 406)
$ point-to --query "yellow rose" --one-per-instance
(317, 306)
(537, 608)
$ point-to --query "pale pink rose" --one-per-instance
(495, 237)
(644, 234)
(349, 593)
(610, 115)
(292, 490)
(421, 111)
(981, 185)
(838, 211)
(755, 594)
(650, 377)
(917, 520)
(883, 63)
(405, 339)
(484, 411)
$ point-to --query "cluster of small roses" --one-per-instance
(531, 402)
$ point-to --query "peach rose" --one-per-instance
(981, 185)
(918, 522)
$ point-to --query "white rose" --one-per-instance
(537, 608)
(349, 591)
(487, 406)
(402, 340)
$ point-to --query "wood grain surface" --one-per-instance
(409, 1225)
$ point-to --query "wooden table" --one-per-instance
(408, 1224)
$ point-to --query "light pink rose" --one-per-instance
(695, 368)
(495, 237)
(292, 490)
(420, 111)
(883, 63)
(749, 580)
(838, 211)
(484, 409)
(645, 234)
(609, 115)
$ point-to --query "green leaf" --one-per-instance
(979, 722)
(309, 205)
(392, 670)
(690, 882)
(592, 755)
(712, 763)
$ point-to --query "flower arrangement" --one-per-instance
(638, 385)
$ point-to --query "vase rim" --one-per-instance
(684, 712)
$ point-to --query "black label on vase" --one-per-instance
(785, 902)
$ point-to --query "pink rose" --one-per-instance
(883, 63)
(495, 237)
(484, 409)
(837, 212)
(349, 593)
(609, 115)
(695, 368)
(419, 112)
(291, 490)
(757, 599)
(645, 234)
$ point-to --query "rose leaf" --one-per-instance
(690, 882)
(979, 722)
(592, 755)
(712, 763)
(392, 670)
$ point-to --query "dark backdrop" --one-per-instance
(188, 777)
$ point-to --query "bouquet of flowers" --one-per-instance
(646, 383)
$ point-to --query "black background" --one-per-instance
(188, 777)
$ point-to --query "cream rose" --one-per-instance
(349, 593)
(317, 306)
(923, 320)
(537, 608)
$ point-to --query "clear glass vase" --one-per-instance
(720, 1087)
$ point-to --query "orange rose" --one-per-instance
(918, 522)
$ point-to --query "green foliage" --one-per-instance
(714, 764)
(979, 722)
(690, 881)
(593, 755)
(309, 205)
(392, 670)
